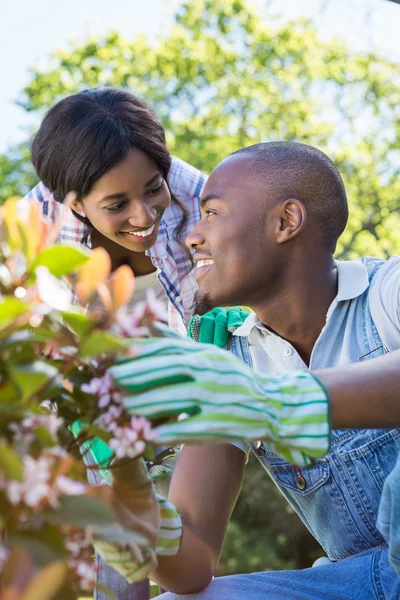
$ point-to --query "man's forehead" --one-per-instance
(233, 171)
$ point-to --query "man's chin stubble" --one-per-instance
(203, 304)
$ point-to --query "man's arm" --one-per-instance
(204, 488)
(364, 395)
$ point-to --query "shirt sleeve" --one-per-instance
(385, 302)
(44, 198)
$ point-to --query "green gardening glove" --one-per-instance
(224, 399)
(214, 327)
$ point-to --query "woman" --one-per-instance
(132, 198)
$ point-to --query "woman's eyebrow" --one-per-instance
(120, 196)
(123, 195)
(153, 179)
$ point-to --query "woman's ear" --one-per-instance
(292, 220)
(77, 207)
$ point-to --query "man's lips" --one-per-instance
(203, 265)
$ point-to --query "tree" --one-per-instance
(224, 77)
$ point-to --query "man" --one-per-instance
(271, 216)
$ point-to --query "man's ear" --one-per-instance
(292, 218)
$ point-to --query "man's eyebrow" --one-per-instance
(206, 199)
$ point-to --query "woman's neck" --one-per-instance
(138, 261)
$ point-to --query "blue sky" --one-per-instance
(31, 30)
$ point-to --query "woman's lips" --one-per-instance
(142, 235)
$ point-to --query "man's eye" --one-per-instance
(210, 212)
(156, 189)
(115, 207)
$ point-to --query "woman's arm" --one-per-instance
(204, 488)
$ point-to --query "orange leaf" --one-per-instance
(122, 285)
(95, 271)
(10, 593)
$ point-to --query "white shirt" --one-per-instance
(343, 338)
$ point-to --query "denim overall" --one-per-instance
(338, 498)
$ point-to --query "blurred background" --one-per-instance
(223, 74)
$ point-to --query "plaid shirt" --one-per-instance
(167, 254)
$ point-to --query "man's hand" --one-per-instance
(223, 398)
(214, 327)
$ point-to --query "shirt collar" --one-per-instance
(353, 280)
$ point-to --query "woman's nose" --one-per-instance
(142, 215)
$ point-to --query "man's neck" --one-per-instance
(297, 312)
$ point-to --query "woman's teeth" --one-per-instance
(143, 233)
(203, 263)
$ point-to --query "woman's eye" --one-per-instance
(210, 212)
(115, 207)
(156, 189)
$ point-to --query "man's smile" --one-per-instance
(202, 267)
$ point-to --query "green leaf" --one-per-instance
(44, 545)
(10, 462)
(8, 392)
(82, 511)
(61, 260)
(77, 322)
(106, 591)
(10, 308)
(30, 378)
(100, 341)
(44, 437)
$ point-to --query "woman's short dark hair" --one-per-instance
(85, 135)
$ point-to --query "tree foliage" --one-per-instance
(225, 76)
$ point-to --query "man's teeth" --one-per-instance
(203, 263)
(143, 233)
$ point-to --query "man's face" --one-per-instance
(233, 253)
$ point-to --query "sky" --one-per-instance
(31, 30)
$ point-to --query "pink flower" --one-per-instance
(69, 487)
(134, 322)
(103, 387)
(24, 430)
(38, 485)
(130, 441)
(35, 487)
(4, 553)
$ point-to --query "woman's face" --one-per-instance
(127, 203)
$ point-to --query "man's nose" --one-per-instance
(194, 239)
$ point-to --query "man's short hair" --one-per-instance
(307, 174)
